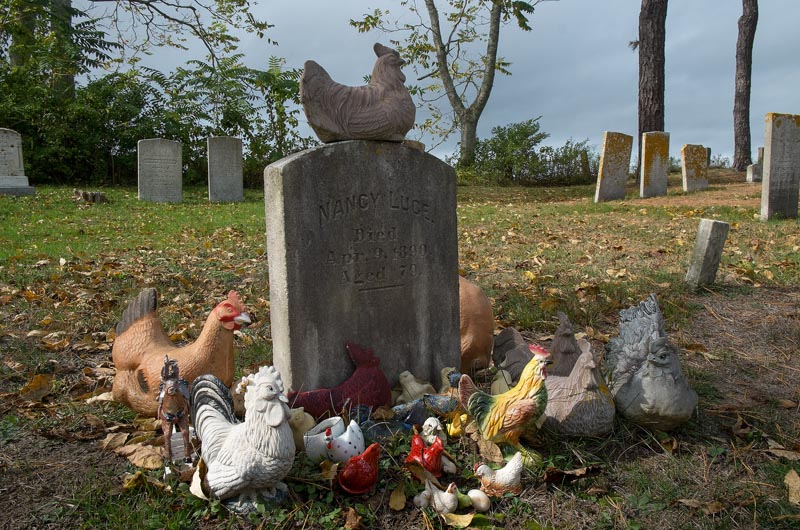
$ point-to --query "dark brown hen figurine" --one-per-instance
(380, 110)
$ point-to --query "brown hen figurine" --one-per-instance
(380, 110)
(142, 344)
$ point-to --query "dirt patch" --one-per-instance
(40, 479)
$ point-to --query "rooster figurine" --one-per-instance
(497, 482)
(360, 473)
(504, 417)
(141, 345)
(380, 110)
(249, 459)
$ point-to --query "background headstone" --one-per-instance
(362, 246)
(12, 171)
(761, 156)
(655, 164)
(753, 173)
(708, 157)
(160, 170)
(694, 167)
(615, 159)
(780, 183)
(225, 176)
(707, 252)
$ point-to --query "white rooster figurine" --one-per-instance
(248, 459)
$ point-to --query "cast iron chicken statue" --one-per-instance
(249, 459)
(504, 417)
(646, 379)
(380, 110)
(141, 345)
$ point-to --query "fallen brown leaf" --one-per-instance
(458, 521)
(792, 481)
(328, 469)
(113, 440)
(397, 500)
(554, 475)
(37, 388)
(352, 520)
(144, 456)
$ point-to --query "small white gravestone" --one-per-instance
(160, 170)
(225, 176)
(12, 172)
(615, 160)
(694, 167)
(753, 173)
(780, 183)
(708, 247)
(655, 164)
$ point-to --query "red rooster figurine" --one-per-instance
(430, 457)
(366, 386)
(360, 473)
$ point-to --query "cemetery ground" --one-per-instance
(67, 271)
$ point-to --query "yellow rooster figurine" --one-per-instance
(504, 417)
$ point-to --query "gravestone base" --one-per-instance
(362, 246)
(11, 186)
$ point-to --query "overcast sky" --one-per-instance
(575, 68)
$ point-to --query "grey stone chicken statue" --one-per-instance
(645, 374)
(245, 460)
(564, 349)
(381, 110)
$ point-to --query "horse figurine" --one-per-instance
(173, 407)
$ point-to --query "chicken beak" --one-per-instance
(242, 319)
(283, 398)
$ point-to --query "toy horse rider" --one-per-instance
(173, 407)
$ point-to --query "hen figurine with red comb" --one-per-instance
(142, 344)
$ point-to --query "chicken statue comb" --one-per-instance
(235, 300)
(265, 374)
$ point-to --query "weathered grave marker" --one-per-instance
(754, 173)
(160, 170)
(225, 177)
(694, 167)
(655, 164)
(615, 159)
(761, 156)
(12, 171)
(362, 246)
(707, 252)
(780, 183)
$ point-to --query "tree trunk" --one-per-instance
(652, 34)
(741, 100)
(23, 38)
(64, 79)
(468, 123)
(467, 116)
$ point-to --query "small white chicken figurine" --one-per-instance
(441, 502)
(412, 388)
(345, 446)
(497, 482)
(245, 460)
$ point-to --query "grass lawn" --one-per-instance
(67, 271)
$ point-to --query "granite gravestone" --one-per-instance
(780, 183)
(160, 170)
(225, 177)
(615, 160)
(362, 247)
(12, 172)
(694, 167)
(655, 164)
(707, 252)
